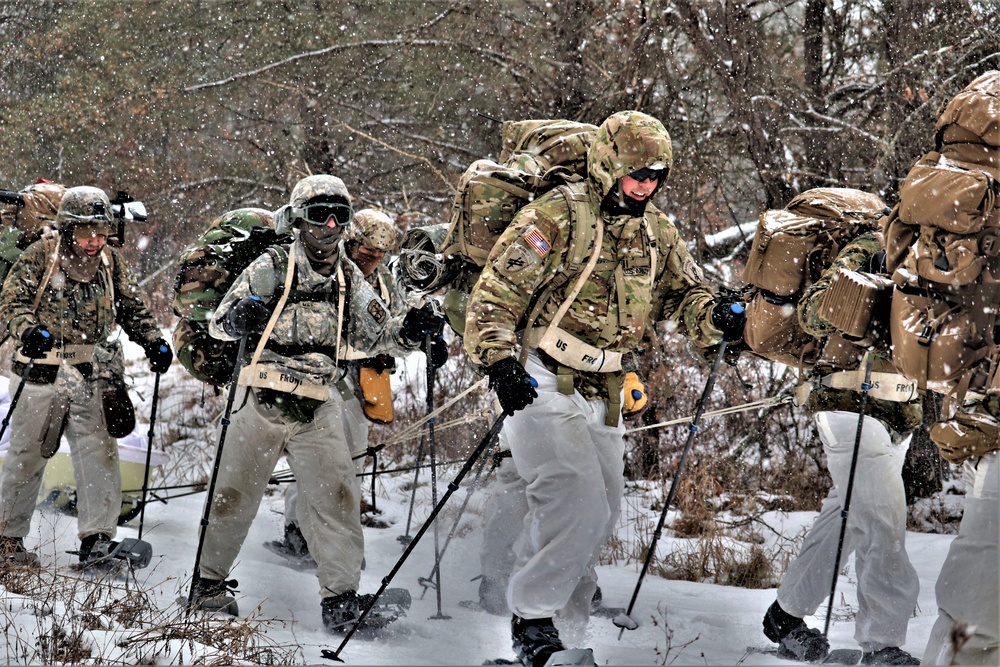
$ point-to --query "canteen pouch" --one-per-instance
(119, 413)
(377, 395)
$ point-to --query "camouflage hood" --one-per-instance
(626, 141)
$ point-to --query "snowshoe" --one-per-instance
(212, 595)
(12, 552)
(890, 655)
(101, 550)
(342, 611)
(293, 559)
(804, 644)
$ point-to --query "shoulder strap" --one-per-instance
(289, 272)
(51, 245)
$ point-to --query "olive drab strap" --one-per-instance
(341, 299)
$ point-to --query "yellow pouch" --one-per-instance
(377, 394)
(633, 404)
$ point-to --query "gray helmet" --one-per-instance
(85, 205)
(319, 186)
(373, 229)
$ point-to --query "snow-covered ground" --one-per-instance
(682, 623)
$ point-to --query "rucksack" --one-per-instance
(536, 156)
(791, 249)
(943, 244)
(23, 218)
(206, 271)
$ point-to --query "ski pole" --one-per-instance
(627, 622)
(149, 451)
(429, 579)
(386, 580)
(866, 385)
(431, 377)
(406, 538)
(215, 467)
(17, 396)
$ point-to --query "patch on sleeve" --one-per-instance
(537, 242)
(515, 259)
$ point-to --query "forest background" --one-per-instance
(197, 108)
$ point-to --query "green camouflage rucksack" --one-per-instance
(207, 270)
(535, 157)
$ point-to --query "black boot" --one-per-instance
(95, 548)
(295, 541)
(534, 640)
(795, 639)
(890, 655)
(214, 595)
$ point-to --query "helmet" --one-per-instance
(85, 205)
(373, 229)
(320, 186)
(626, 142)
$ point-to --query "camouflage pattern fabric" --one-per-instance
(74, 313)
(373, 229)
(308, 322)
(319, 185)
(900, 417)
(621, 297)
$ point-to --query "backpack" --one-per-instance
(943, 243)
(536, 156)
(23, 218)
(207, 270)
(791, 249)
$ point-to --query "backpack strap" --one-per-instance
(51, 244)
(289, 273)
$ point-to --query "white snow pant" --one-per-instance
(319, 455)
(356, 430)
(876, 533)
(573, 467)
(506, 507)
(93, 452)
(968, 587)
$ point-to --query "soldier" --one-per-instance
(368, 238)
(319, 313)
(568, 445)
(60, 302)
(876, 531)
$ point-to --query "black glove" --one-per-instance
(438, 354)
(419, 322)
(36, 342)
(514, 387)
(159, 355)
(730, 317)
(247, 316)
(380, 363)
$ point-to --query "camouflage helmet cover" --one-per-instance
(373, 229)
(626, 142)
(85, 206)
(320, 185)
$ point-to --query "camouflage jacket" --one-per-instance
(75, 313)
(900, 417)
(308, 322)
(615, 305)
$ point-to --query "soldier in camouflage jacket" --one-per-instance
(567, 438)
(293, 397)
(887, 584)
(369, 237)
(61, 301)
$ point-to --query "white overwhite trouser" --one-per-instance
(320, 456)
(356, 429)
(506, 507)
(93, 452)
(572, 463)
(968, 588)
(876, 532)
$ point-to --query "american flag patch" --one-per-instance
(538, 242)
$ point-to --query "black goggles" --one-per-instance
(320, 214)
(647, 173)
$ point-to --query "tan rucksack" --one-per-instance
(24, 216)
(791, 249)
(943, 247)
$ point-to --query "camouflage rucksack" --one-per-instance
(24, 216)
(536, 156)
(207, 270)
(791, 249)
